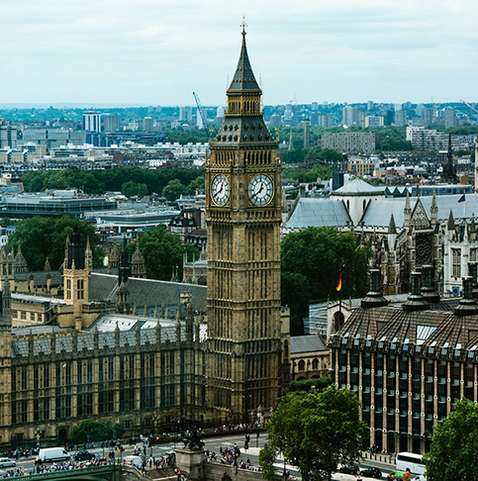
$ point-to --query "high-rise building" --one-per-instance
(92, 121)
(352, 117)
(373, 121)
(148, 124)
(110, 122)
(243, 213)
(306, 134)
(450, 119)
(8, 136)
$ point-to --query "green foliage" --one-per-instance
(320, 171)
(91, 430)
(463, 130)
(173, 190)
(100, 181)
(42, 237)
(316, 432)
(317, 384)
(267, 457)
(163, 251)
(391, 138)
(185, 136)
(311, 262)
(454, 446)
(132, 189)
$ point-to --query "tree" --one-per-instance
(454, 446)
(91, 430)
(312, 260)
(163, 252)
(173, 190)
(316, 431)
(44, 237)
(132, 189)
(317, 384)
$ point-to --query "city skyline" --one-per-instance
(157, 52)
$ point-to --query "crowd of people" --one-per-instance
(232, 456)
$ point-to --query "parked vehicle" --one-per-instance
(7, 463)
(84, 456)
(349, 469)
(371, 472)
(135, 461)
(52, 455)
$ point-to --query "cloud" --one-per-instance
(158, 51)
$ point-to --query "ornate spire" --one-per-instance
(47, 266)
(244, 78)
(451, 221)
(392, 228)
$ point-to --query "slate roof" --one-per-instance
(149, 293)
(378, 213)
(312, 343)
(318, 212)
(244, 76)
(359, 186)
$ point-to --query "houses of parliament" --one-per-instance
(145, 353)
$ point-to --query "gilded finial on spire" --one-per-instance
(244, 25)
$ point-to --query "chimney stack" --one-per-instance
(374, 297)
(428, 292)
(467, 305)
(416, 301)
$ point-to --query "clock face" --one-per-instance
(260, 190)
(220, 190)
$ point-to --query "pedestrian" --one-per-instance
(407, 475)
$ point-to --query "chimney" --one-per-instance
(374, 297)
(467, 305)
(473, 273)
(428, 292)
(415, 301)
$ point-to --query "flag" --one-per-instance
(338, 287)
(462, 198)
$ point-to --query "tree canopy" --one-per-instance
(44, 237)
(312, 260)
(163, 252)
(174, 190)
(315, 431)
(112, 180)
(91, 430)
(132, 189)
(454, 447)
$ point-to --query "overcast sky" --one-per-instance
(159, 51)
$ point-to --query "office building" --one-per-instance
(92, 121)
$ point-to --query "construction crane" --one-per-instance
(200, 110)
(470, 107)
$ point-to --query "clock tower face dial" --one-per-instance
(260, 190)
(220, 190)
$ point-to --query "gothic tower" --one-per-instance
(243, 214)
(122, 303)
(76, 270)
(5, 356)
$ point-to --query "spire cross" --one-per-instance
(243, 25)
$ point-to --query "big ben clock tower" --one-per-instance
(243, 213)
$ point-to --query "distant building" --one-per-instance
(374, 121)
(306, 134)
(8, 136)
(349, 142)
(148, 124)
(92, 121)
(352, 117)
(450, 118)
(110, 122)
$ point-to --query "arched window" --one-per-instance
(301, 365)
(315, 364)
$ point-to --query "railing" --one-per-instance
(384, 458)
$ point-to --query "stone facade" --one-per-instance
(243, 215)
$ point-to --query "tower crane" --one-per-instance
(473, 109)
(200, 110)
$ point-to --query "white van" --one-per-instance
(52, 455)
(135, 461)
(7, 463)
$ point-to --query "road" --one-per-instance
(214, 444)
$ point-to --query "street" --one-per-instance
(215, 444)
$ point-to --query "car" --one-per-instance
(7, 463)
(84, 456)
(371, 472)
(349, 469)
